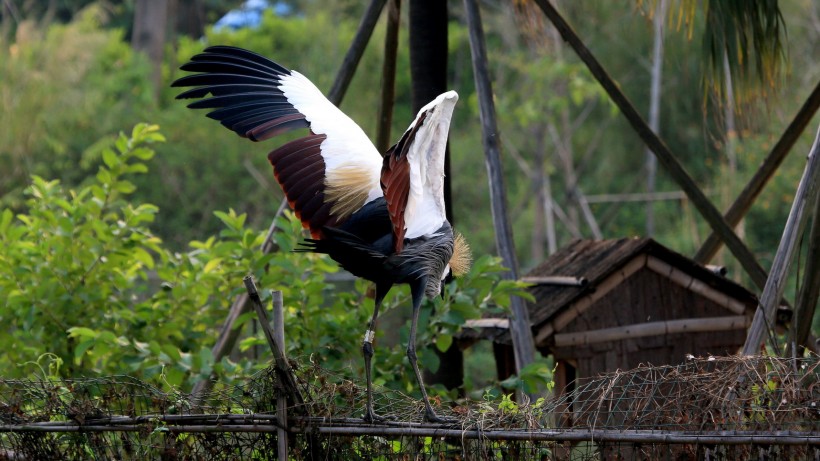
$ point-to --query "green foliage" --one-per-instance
(481, 291)
(87, 283)
(534, 378)
(76, 252)
(751, 35)
(86, 280)
(59, 88)
(172, 265)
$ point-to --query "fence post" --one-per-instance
(282, 366)
(803, 202)
(281, 401)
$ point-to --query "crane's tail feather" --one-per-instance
(352, 253)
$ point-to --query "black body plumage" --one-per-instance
(363, 245)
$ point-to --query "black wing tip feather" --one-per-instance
(242, 53)
(222, 61)
(236, 82)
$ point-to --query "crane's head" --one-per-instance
(460, 262)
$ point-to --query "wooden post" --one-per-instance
(763, 174)
(282, 366)
(654, 143)
(281, 401)
(804, 198)
(810, 288)
(520, 326)
(355, 52)
(391, 45)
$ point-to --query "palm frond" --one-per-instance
(750, 34)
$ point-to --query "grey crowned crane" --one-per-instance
(381, 218)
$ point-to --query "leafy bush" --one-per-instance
(85, 279)
(62, 89)
(89, 285)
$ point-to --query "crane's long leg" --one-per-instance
(367, 351)
(417, 290)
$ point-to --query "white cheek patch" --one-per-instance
(446, 271)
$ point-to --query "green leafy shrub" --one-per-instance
(62, 89)
(92, 291)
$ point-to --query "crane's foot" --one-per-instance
(431, 417)
(371, 417)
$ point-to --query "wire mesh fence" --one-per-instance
(706, 408)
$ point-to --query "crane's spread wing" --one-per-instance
(412, 176)
(326, 175)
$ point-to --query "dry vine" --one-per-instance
(724, 407)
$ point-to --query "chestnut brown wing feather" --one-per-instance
(395, 181)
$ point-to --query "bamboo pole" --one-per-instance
(763, 174)
(556, 280)
(278, 326)
(636, 197)
(639, 330)
(282, 365)
(717, 270)
(487, 323)
(810, 288)
(689, 282)
(520, 326)
(808, 438)
(654, 143)
(804, 198)
(355, 52)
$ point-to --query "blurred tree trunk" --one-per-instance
(428, 65)
(428, 71)
(538, 178)
(729, 180)
(150, 24)
(654, 112)
(562, 135)
(190, 18)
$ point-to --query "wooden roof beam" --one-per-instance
(640, 330)
(691, 283)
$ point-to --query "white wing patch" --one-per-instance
(425, 211)
(346, 147)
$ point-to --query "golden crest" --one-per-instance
(462, 257)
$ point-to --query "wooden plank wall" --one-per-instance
(647, 297)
